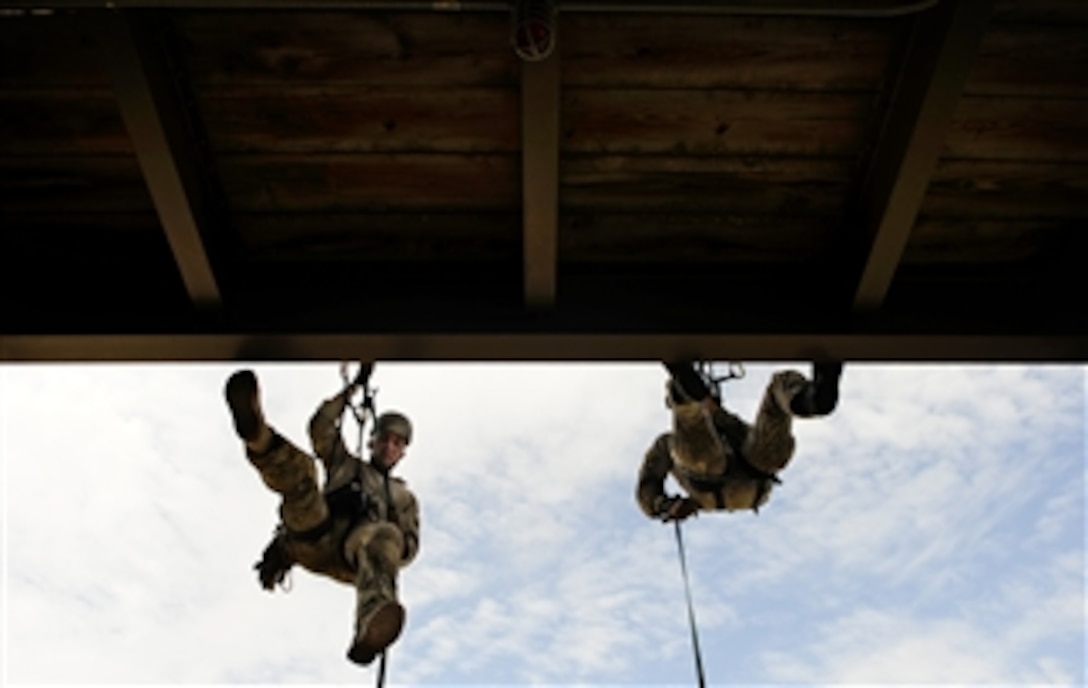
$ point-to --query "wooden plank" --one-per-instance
(978, 242)
(372, 182)
(968, 297)
(540, 177)
(407, 50)
(1062, 12)
(722, 52)
(687, 122)
(419, 182)
(1009, 190)
(113, 238)
(935, 68)
(74, 184)
(379, 237)
(158, 123)
(1022, 61)
(731, 185)
(1025, 129)
(55, 51)
(51, 123)
(1062, 278)
(324, 119)
(695, 238)
(75, 267)
(838, 8)
(503, 346)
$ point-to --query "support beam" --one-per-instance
(156, 119)
(540, 177)
(935, 68)
(544, 347)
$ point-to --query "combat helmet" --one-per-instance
(392, 421)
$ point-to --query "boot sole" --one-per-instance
(241, 396)
(684, 376)
(382, 631)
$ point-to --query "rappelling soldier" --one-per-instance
(361, 528)
(721, 461)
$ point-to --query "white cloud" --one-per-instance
(937, 504)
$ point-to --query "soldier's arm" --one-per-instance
(651, 478)
(325, 435)
(408, 520)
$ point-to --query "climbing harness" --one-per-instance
(714, 383)
(691, 609)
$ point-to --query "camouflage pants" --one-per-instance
(697, 446)
(372, 550)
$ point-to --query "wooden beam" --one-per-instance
(935, 68)
(156, 119)
(750, 347)
(872, 9)
(540, 177)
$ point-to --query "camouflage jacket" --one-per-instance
(739, 487)
(349, 479)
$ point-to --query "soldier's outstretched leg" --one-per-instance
(374, 549)
(695, 444)
(770, 443)
(820, 396)
(284, 468)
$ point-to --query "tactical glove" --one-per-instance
(274, 564)
(676, 508)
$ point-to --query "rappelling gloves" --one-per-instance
(275, 562)
(241, 393)
(675, 508)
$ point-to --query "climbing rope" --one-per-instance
(714, 384)
(691, 609)
(364, 410)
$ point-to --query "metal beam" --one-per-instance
(544, 347)
(155, 118)
(540, 177)
(935, 68)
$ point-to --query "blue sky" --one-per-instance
(931, 531)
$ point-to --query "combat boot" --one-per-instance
(820, 396)
(379, 617)
(379, 623)
(245, 407)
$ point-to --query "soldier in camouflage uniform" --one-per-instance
(722, 462)
(360, 529)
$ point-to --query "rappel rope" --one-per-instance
(691, 609)
(365, 409)
(714, 385)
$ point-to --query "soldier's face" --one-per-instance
(387, 448)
